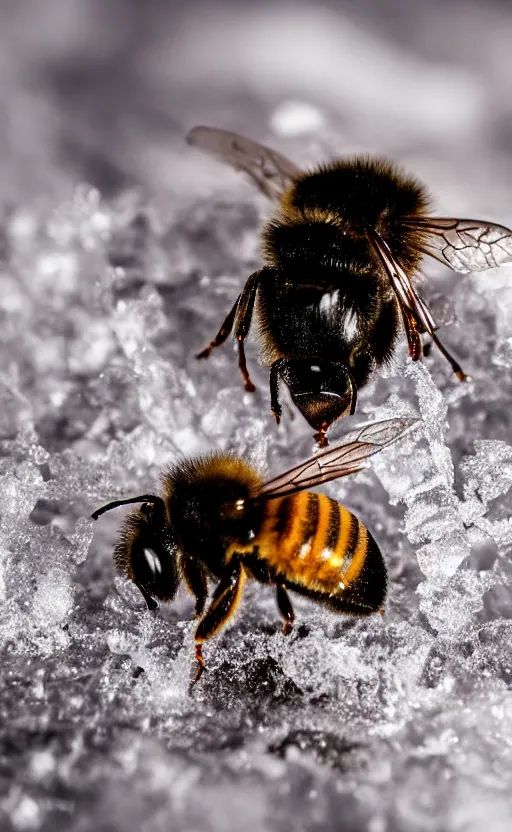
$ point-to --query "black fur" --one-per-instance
(322, 293)
(355, 194)
(293, 321)
(201, 500)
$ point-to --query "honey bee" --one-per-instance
(342, 251)
(218, 520)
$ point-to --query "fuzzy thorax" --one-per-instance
(324, 215)
(208, 501)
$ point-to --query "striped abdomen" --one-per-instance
(317, 547)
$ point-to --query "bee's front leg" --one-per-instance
(223, 332)
(224, 603)
(196, 581)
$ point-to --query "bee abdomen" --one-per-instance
(321, 549)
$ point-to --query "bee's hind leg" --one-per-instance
(412, 330)
(457, 369)
(285, 608)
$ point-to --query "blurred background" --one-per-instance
(104, 91)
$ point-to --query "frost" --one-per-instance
(395, 723)
(346, 718)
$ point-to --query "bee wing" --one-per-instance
(270, 172)
(465, 245)
(407, 295)
(344, 459)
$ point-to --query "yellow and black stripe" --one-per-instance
(318, 548)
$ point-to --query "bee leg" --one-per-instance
(274, 392)
(416, 348)
(242, 366)
(244, 318)
(223, 332)
(224, 603)
(201, 667)
(457, 369)
(413, 335)
(241, 312)
(285, 608)
(196, 581)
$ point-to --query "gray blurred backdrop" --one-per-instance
(103, 90)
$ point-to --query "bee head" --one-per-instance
(323, 391)
(146, 553)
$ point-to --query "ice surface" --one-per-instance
(398, 723)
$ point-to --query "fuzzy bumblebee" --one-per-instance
(342, 251)
(217, 520)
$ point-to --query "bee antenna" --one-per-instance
(144, 498)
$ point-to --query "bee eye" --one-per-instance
(154, 567)
(153, 561)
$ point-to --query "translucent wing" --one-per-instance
(406, 293)
(346, 458)
(270, 172)
(465, 245)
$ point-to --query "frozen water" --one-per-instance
(399, 723)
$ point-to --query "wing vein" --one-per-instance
(340, 461)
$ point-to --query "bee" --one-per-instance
(218, 520)
(342, 252)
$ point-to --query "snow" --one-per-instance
(120, 251)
